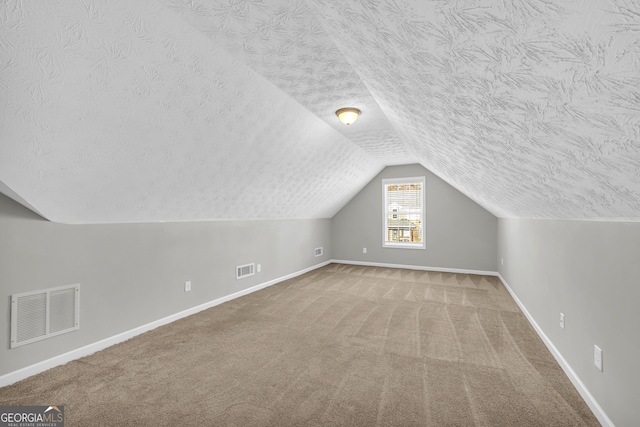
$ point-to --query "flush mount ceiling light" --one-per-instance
(348, 115)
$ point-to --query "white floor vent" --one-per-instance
(246, 270)
(43, 314)
(319, 251)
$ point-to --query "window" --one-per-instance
(403, 213)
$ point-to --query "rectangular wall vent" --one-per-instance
(246, 270)
(44, 314)
(319, 251)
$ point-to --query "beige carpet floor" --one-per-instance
(341, 345)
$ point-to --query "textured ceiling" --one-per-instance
(178, 110)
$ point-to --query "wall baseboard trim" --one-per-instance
(416, 267)
(20, 374)
(13, 377)
(568, 370)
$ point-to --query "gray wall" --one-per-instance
(590, 271)
(134, 274)
(459, 233)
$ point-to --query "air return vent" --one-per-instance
(246, 270)
(43, 314)
(319, 251)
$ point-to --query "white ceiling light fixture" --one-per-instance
(348, 115)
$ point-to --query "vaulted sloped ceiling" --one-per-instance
(179, 110)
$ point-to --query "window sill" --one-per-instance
(388, 245)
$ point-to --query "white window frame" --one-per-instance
(403, 245)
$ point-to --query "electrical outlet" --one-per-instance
(561, 320)
(502, 261)
(187, 286)
(364, 250)
(597, 357)
(259, 268)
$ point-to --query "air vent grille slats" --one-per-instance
(43, 314)
(62, 310)
(32, 316)
(246, 270)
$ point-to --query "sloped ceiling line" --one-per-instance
(118, 111)
(492, 90)
(284, 42)
(173, 129)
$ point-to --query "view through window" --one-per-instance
(403, 212)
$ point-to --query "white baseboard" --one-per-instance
(577, 383)
(416, 267)
(28, 371)
(573, 377)
(36, 368)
